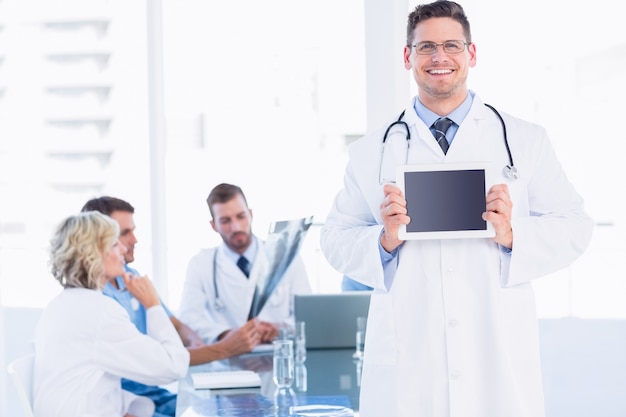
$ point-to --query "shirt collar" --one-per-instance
(457, 115)
(250, 253)
(120, 280)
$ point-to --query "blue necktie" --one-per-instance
(244, 265)
(441, 127)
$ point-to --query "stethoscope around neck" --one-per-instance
(219, 304)
(509, 171)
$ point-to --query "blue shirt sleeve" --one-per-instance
(348, 284)
(389, 267)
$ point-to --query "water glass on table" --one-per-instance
(361, 326)
(300, 341)
(283, 364)
(301, 372)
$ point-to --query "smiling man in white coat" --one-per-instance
(452, 327)
(218, 292)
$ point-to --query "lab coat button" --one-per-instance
(452, 322)
(455, 375)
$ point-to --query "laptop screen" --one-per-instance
(331, 318)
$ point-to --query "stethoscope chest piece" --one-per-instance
(511, 172)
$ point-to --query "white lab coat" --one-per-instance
(85, 344)
(454, 331)
(199, 309)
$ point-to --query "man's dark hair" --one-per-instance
(439, 8)
(223, 193)
(107, 205)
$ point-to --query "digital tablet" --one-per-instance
(445, 201)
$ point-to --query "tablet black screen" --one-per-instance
(440, 201)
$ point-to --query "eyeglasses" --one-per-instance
(429, 48)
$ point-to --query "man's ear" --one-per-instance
(471, 48)
(407, 58)
(213, 225)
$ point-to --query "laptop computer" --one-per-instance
(331, 318)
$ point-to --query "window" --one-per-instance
(269, 100)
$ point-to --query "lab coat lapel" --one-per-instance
(479, 138)
(235, 289)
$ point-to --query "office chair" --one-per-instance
(21, 371)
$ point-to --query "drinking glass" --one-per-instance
(359, 370)
(300, 342)
(286, 331)
(283, 363)
(301, 377)
(361, 325)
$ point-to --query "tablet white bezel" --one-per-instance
(455, 234)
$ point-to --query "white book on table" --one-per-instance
(226, 379)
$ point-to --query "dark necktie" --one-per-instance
(244, 265)
(441, 127)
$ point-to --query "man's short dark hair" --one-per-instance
(223, 193)
(439, 8)
(107, 205)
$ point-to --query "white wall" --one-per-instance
(3, 380)
(19, 325)
(583, 364)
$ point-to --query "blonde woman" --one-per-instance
(85, 343)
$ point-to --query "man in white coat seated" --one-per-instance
(218, 293)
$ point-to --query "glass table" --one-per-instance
(331, 379)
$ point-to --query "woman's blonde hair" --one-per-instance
(77, 248)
